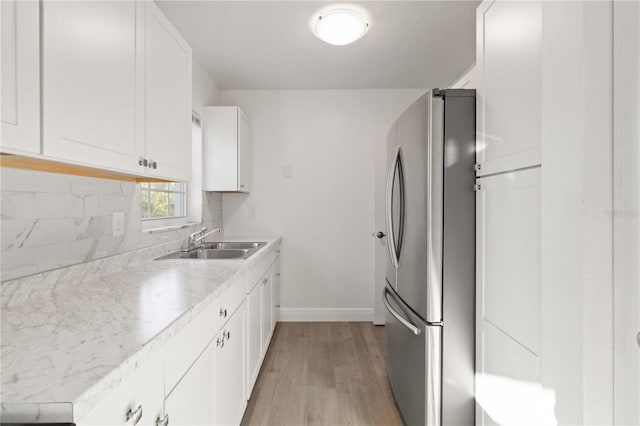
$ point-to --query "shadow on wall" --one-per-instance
(515, 402)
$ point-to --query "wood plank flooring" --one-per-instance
(323, 374)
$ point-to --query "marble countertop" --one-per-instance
(63, 353)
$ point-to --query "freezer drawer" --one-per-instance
(414, 362)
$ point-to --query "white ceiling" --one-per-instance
(269, 44)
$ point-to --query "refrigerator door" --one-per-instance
(419, 138)
(414, 360)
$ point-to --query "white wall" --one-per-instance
(325, 210)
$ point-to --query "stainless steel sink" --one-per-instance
(220, 250)
(233, 245)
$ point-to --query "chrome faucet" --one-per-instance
(196, 239)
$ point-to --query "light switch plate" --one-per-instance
(118, 224)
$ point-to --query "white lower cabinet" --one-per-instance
(191, 401)
(254, 341)
(229, 370)
(205, 373)
(138, 400)
(276, 291)
(267, 308)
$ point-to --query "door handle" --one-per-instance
(385, 299)
(396, 163)
(381, 234)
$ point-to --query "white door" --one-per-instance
(254, 341)
(230, 370)
(90, 82)
(627, 208)
(167, 98)
(380, 251)
(191, 401)
(20, 27)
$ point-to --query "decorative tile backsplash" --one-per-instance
(52, 220)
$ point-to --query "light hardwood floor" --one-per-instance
(323, 374)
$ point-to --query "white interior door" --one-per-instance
(380, 251)
(627, 212)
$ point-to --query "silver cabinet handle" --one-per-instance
(163, 421)
(403, 321)
(223, 312)
(134, 416)
(220, 342)
(241, 186)
(226, 335)
(143, 162)
(265, 280)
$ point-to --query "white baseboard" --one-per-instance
(322, 314)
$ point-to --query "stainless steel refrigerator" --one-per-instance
(430, 273)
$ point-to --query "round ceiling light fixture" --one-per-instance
(340, 26)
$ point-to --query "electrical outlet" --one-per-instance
(252, 212)
(118, 224)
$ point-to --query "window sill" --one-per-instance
(155, 228)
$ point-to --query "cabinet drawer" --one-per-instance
(259, 267)
(184, 349)
(143, 389)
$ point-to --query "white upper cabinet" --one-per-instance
(20, 32)
(509, 67)
(116, 88)
(167, 98)
(90, 63)
(227, 150)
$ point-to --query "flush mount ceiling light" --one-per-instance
(340, 26)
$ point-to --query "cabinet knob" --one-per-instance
(143, 162)
(163, 421)
(278, 274)
(223, 312)
(220, 341)
(154, 164)
(265, 280)
(226, 335)
(241, 186)
(134, 416)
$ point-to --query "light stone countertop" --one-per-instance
(62, 354)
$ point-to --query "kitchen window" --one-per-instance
(166, 200)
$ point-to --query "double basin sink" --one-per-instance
(218, 250)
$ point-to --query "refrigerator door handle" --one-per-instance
(385, 299)
(394, 241)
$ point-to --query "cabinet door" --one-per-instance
(191, 401)
(230, 370)
(143, 391)
(275, 303)
(167, 98)
(244, 153)
(254, 340)
(90, 81)
(20, 33)
(509, 58)
(267, 309)
(508, 285)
